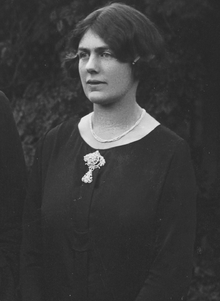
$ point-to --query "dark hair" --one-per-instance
(128, 33)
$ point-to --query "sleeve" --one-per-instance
(170, 273)
(31, 275)
(12, 195)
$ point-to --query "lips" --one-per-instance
(94, 82)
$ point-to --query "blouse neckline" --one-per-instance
(116, 146)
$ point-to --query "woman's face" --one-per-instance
(105, 80)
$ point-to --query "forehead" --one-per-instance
(91, 40)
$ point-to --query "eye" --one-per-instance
(107, 54)
(82, 55)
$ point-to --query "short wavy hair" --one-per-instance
(127, 32)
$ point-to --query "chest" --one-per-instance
(124, 192)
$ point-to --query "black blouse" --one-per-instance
(126, 236)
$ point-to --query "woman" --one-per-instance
(12, 194)
(110, 213)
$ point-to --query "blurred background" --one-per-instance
(186, 99)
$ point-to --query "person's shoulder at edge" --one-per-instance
(2, 96)
(4, 102)
(6, 115)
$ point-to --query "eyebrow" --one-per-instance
(98, 49)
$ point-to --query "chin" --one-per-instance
(100, 99)
(102, 102)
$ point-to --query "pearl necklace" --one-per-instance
(118, 137)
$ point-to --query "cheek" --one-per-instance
(123, 77)
(82, 77)
(81, 71)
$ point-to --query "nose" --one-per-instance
(92, 64)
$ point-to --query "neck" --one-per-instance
(110, 121)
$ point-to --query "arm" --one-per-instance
(170, 274)
(12, 194)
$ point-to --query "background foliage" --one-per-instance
(32, 47)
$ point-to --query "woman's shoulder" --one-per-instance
(55, 139)
(165, 139)
(63, 130)
(57, 136)
(169, 134)
(168, 147)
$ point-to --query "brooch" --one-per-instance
(93, 161)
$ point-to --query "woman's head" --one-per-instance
(127, 32)
(105, 80)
